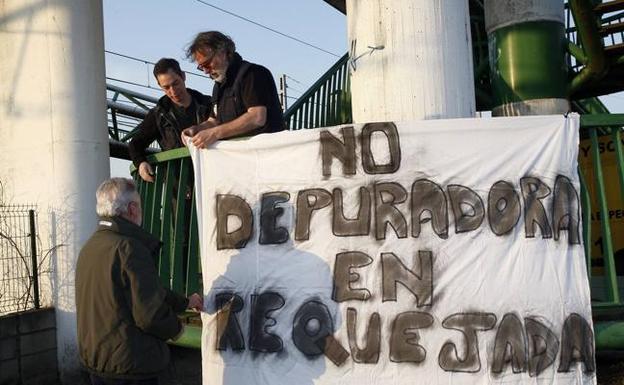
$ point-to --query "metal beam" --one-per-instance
(125, 109)
(340, 5)
(128, 93)
(119, 150)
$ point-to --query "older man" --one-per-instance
(244, 94)
(125, 315)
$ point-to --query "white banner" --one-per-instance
(429, 252)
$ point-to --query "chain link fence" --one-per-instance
(19, 265)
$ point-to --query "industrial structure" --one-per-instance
(432, 60)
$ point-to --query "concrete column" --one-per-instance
(526, 40)
(53, 135)
(420, 66)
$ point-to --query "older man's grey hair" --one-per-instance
(214, 40)
(113, 197)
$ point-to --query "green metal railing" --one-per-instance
(326, 103)
(608, 297)
(607, 289)
(179, 264)
(169, 214)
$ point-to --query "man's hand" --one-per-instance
(188, 133)
(196, 302)
(191, 131)
(146, 172)
(205, 138)
(210, 131)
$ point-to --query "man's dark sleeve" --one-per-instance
(177, 302)
(213, 101)
(148, 298)
(258, 87)
(147, 132)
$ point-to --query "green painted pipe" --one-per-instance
(527, 61)
(527, 55)
(577, 52)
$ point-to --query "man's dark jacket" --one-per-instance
(125, 315)
(248, 85)
(162, 125)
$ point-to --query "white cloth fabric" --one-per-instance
(453, 323)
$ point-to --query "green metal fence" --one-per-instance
(20, 270)
(326, 103)
(169, 214)
(607, 287)
(602, 190)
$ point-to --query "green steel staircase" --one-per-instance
(125, 109)
(596, 47)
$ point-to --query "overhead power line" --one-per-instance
(149, 62)
(129, 57)
(267, 28)
(294, 80)
(129, 102)
(133, 83)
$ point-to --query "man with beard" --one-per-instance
(244, 95)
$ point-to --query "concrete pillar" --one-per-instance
(526, 40)
(53, 135)
(421, 67)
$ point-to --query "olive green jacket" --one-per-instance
(125, 315)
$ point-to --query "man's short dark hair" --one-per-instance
(165, 64)
(213, 40)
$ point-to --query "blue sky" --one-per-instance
(153, 29)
